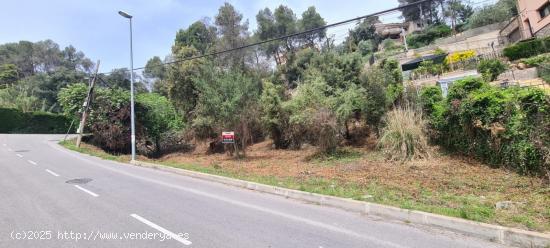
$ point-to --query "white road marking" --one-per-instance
(159, 228)
(32, 162)
(19, 155)
(296, 218)
(9, 149)
(4, 145)
(87, 191)
(53, 173)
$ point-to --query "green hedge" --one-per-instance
(15, 121)
(428, 36)
(527, 49)
(503, 127)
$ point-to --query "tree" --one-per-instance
(282, 22)
(364, 31)
(120, 78)
(424, 11)
(266, 30)
(227, 101)
(274, 118)
(181, 81)
(37, 71)
(156, 72)
(234, 33)
(199, 35)
(310, 20)
(501, 11)
(9, 74)
(286, 23)
(458, 12)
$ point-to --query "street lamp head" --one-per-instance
(124, 14)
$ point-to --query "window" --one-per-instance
(544, 11)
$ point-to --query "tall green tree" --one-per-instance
(199, 35)
(310, 20)
(181, 81)
(233, 32)
(155, 71)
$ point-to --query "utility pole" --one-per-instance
(86, 106)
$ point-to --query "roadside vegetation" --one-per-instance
(313, 115)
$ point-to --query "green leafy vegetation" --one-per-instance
(526, 49)
(428, 35)
(491, 69)
(503, 127)
(501, 11)
(16, 121)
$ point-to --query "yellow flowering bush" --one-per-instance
(460, 56)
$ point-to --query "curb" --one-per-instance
(494, 233)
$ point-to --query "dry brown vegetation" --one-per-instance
(444, 184)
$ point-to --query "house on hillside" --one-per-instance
(533, 20)
(395, 31)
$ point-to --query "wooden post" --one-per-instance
(86, 106)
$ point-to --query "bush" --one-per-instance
(109, 119)
(429, 35)
(503, 127)
(543, 71)
(461, 88)
(157, 116)
(526, 49)
(274, 119)
(460, 56)
(536, 60)
(429, 96)
(403, 137)
(491, 69)
(312, 115)
(16, 121)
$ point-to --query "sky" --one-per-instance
(94, 27)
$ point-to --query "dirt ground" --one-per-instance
(444, 184)
(441, 184)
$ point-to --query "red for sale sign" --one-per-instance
(228, 137)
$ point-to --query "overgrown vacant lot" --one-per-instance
(444, 184)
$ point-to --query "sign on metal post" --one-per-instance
(228, 137)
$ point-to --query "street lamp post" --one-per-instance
(132, 116)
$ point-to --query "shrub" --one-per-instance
(526, 49)
(274, 118)
(459, 56)
(16, 121)
(491, 69)
(543, 71)
(461, 88)
(312, 118)
(427, 36)
(503, 127)
(157, 116)
(429, 96)
(403, 137)
(536, 60)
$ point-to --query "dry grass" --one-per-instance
(403, 137)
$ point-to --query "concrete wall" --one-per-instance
(529, 14)
(469, 34)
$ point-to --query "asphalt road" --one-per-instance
(116, 205)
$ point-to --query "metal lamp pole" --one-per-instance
(132, 116)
